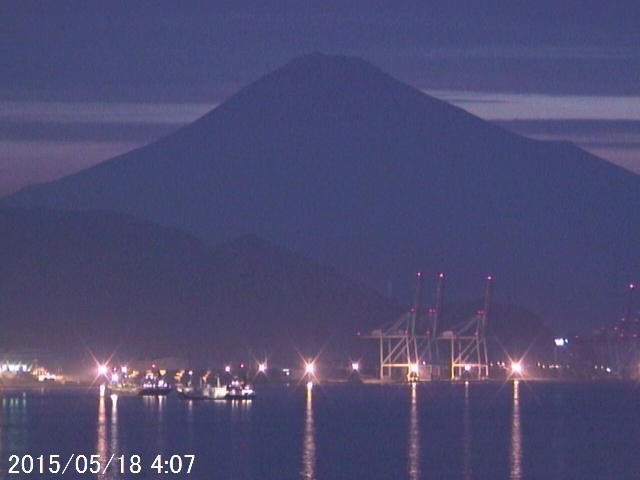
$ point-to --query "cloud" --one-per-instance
(519, 106)
(613, 140)
(42, 141)
(25, 163)
(96, 112)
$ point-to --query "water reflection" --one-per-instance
(414, 437)
(190, 423)
(14, 411)
(516, 436)
(162, 406)
(466, 436)
(101, 431)
(114, 424)
(240, 410)
(309, 442)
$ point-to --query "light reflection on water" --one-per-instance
(414, 437)
(309, 442)
(101, 430)
(114, 424)
(453, 431)
(107, 435)
(15, 420)
(516, 436)
(466, 436)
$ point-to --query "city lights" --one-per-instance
(102, 370)
(516, 367)
(262, 367)
(355, 366)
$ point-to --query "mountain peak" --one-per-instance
(374, 177)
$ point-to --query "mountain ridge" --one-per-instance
(331, 157)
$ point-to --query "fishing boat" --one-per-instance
(122, 384)
(153, 385)
(238, 390)
(123, 389)
(234, 391)
(203, 392)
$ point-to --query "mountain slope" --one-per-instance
(334, 158)
(72, 281)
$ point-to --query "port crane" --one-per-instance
(405, 346)
(468, 344)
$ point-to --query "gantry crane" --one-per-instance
(468, 342)
(403, 345)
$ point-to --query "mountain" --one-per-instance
(332, 157)
(74, 282)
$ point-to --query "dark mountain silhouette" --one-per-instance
(334, 158)
(72, 281)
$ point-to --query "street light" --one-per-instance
(310, 368)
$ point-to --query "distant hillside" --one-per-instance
(332, 157)
(72, 281)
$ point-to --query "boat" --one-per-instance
(203, 392)
(124, 389)
(121, 384)
(234, 391)
(237, 390)
(153, 386)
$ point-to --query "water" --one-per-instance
(431, 431)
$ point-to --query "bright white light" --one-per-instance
(114, 377)
(414, 368)
(608, 370)
(124, 369)
(355, 366)
(262, 367)
(102, 370)
(227, 368)
(190, 372)
(516, 367)
(561, 342)
(309, 385)
(102, 390)
(310, 368)
(467, 368)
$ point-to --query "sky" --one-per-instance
(84, 81)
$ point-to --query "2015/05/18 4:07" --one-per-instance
(93, 464)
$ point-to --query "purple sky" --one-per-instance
(84, 81)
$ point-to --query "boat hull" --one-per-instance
(155, 391)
